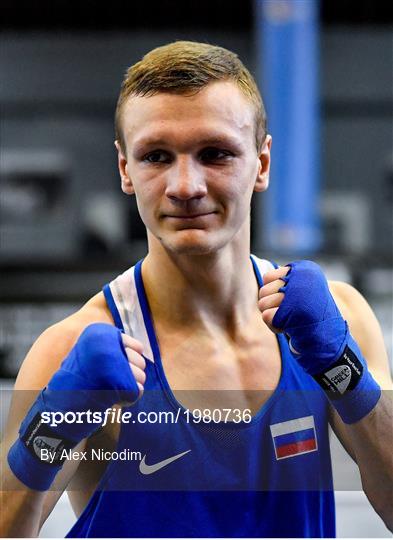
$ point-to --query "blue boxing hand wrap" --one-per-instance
(320, 341)
(93, 377)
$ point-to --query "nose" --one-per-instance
(186, 180)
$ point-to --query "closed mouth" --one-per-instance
(190, 216)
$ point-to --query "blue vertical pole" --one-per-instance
(288, 51)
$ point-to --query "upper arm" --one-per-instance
(43, 359)
(41, 362)
(366, 331)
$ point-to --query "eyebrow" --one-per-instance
(210, 140)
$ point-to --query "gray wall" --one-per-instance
(356, 87)
(58, 95)
(57, 98)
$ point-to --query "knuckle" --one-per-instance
(263, 292)
(283, 270)
(269, 276)
(135, 358)
(132, 343)
(273, 287)
(138, 346)
(130, 354)
(142, 361)
(266, 317)
(280, 297)
(139, 375)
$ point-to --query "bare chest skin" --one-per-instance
(211, 371)
(204, 371)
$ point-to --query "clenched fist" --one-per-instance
(270, 297)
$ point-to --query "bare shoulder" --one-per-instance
(47, 353)
(351, 302)
(41, 362)
(354, 308)
(364, 327)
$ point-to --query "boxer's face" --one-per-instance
(193, 165)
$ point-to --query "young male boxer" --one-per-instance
(200, 314)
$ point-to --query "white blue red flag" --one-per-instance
(294, 437)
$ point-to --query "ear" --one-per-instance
(262, 179)
(126, 183)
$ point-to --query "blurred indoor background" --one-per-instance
(66, 229)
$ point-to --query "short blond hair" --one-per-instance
(185, 67)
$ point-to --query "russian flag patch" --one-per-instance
(294, 437)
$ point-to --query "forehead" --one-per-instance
(219, 108)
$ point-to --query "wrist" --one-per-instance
(30, 470)
(319, 345)
(348, 384)
(41, 448)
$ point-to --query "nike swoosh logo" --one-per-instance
(150, 469)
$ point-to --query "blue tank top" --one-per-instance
(269, 477)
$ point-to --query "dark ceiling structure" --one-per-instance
(91, 15)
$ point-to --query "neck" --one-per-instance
(214, 290)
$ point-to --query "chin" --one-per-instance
(195, 250)
(192, 244)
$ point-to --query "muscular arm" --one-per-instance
(369, 441)
(297, 300)
(24, 510)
